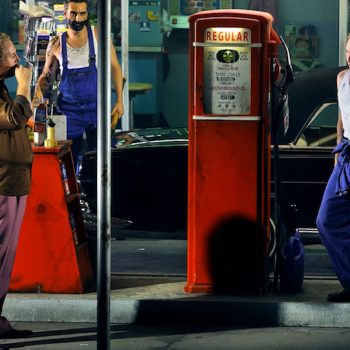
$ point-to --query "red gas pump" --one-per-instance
(231, 58)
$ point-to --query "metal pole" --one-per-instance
(125, 62)
(104, 175)
(343, 30)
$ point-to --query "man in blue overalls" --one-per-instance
(76, 51)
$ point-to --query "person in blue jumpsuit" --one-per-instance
(333, 219)
(75, 50)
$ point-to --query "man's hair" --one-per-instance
(66, 3)
(3, 38)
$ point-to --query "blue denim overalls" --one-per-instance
(333, 220)
(77, 97)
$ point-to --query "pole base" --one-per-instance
(198, 288)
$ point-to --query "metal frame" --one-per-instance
(126, 121)
(104, 173)
(343, 29)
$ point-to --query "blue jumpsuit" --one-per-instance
(333, 219)
(77, 98)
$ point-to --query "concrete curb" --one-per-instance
(65, 308)
(208, 311)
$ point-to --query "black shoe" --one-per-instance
(340, 297)
(16, 333)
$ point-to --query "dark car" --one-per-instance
(149, 178)
(149, 166)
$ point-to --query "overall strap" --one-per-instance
(92, 56)
(64, 50)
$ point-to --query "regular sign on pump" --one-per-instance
(227, 71)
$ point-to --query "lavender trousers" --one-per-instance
(12, 210)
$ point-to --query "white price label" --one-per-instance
(227, 71)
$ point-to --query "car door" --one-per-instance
(305, 166)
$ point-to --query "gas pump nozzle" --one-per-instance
(289, 73)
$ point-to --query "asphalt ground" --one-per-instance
(149, 274)
(62, 336)
(150, 310)
(165, 254)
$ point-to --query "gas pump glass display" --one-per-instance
(227, 71)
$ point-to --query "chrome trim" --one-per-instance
(311, 118)
(253, 45)
(238, 118)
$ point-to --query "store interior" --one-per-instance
(158, 45)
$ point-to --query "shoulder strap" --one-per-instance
(64, 50)
(92, 56)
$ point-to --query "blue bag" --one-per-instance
(292, 265)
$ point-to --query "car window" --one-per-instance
(321, 131)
